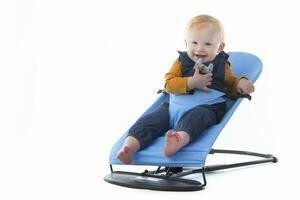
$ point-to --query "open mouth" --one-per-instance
(198, 56)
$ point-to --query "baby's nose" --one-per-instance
(200, 48)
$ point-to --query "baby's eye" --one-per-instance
(208, 44)
(194, 43)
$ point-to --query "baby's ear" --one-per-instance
(221, 47)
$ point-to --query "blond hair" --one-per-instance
(201, 21)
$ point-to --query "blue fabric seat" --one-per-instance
(171, 172)
(194, 154)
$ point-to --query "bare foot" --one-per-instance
(125, 155)
(175, 141)
(130, 146)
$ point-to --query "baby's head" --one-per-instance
(204, 38)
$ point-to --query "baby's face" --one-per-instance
(203, 43)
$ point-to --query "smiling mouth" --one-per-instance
(200, 56)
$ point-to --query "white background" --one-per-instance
(74, 75)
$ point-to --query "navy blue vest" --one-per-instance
(219, 63)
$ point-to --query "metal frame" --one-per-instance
(171, 178)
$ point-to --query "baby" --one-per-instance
(203, 67)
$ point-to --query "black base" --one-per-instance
(170, 178)
(152, 182)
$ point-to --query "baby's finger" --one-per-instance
(196, 69)
(209, 79)
(253, 88)
(250, 89)
(240, 91)
(209, 74)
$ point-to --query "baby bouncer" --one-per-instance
(172, 172)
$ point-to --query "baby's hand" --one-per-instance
(245, 86)
(199, 81)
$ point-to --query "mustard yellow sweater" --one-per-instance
(176, 81)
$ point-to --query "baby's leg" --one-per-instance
(175, 140)
(130, 146)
